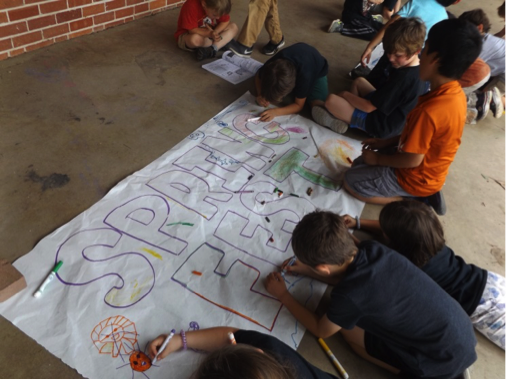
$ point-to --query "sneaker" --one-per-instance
(336, 26)
(240, 49)
(225, 47)
(378, 18)
(483, 104)
(359, 71)
(472, 114)
(325, 118)
(496, 105)
(272, 48)
(437, 201)
(205, 52)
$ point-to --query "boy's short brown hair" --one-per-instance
(321, 237)
(477, 17)
(277, 80)
(223, 7)
(502, 10)
(405, 35)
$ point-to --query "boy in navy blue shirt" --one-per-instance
(299, 70)
(388, 310)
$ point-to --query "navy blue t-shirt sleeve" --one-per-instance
(342, 311)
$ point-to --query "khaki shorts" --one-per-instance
(181, 44)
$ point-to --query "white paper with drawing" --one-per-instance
(233, 68)
(185, 243)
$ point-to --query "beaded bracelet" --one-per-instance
(357, 219)
(183, 337)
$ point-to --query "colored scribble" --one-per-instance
(139, 361)
(114, 335)
(335, 154)
(197, 135)
(153, 253)
(293, 162)
(296, 129)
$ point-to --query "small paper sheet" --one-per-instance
(233, 68)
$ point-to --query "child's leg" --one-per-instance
(361, 87)
(272, 25)
(194, 41)
(257, 13)
(340, 108)
(374, 184)
(355, 338)
(227, 35)
(488, 318)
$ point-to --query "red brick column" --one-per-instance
(27, 25)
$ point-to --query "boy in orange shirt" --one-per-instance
(431, 137)
(204, 26)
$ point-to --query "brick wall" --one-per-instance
(26, 25)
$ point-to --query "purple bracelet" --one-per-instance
(183, 337)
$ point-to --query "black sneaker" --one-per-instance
(272, 48)
(205, 52)
(437, 201)
(240, 49)
(359, 71)
(483, 104)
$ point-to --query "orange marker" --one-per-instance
(349, 160)
(197, 273)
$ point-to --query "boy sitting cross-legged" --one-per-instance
(388, 310)
(433, 131)
(380, 104)
(204, 26)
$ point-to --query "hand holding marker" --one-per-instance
(164, 345)
(48, 279)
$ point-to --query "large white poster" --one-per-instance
(185, 243)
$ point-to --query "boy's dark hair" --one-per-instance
(446, 3)
(223, 7)
(321, 237)
(502, 10)
(242, 361)
(406, 35)
(477, 17)
(277, 80)
(457, 44)
(413, 230)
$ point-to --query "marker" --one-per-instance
(181, 223)
(334, 360)
(290, 263)
(294, 195)
(243, 191)
(164, 344)
(304, 138)
(254, 119)
(231, 338)
(196, 272)
(48, 279)
(271, 239)
(309, 191)
(266, 218)
(251, 176)
(349, 160)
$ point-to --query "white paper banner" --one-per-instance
(185, 243)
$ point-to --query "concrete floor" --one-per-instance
(79, 116)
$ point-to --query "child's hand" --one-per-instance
(296, 268)
(268, 115)
(275, 285)
(350, 221)
(174, 345)
(373, 144)
(262, 102)
(370, 157)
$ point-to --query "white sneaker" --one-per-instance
(336, 26)
(326, 119)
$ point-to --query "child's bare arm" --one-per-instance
(365, 224)
(291, 109)
(204, 32)
(221, 27)
(398, 160)
(207, 340)
(320, 327)
(358, 102)
(305, 270)
(502, 33)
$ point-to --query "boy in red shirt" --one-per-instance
(431, 137)
(204, 27)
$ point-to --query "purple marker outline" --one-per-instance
(185, 206)
(240, 123)
(223, 275)
(175, 253)
(58, 275)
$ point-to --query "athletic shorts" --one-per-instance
(181, 44)
(358, 119)
(320, 90)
